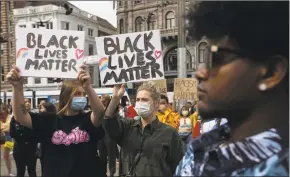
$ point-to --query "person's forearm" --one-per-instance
(96, 106)
(111, 110)
(18, 107)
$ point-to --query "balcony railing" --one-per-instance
(169, 32)
(51, 8)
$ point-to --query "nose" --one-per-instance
(201, 72)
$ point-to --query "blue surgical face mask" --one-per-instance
(78, 103)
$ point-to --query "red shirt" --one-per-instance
(131, 113)
(196, 130)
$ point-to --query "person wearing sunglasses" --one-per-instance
(244, 78)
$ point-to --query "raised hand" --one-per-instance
(14, 78)
(84, 77)
(119, 90)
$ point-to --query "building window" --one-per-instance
(170, 20)
(10, 22)
(50, 80)
(91, 49)
(25, 80)
(2, 74)
(120, 4)
(151, 22)
(138, 24)
(37, 80)
(121, 26)
(90, 32)
(201, 52)
(170, 60)
(80, 28)
(49, 25)
(22, 26)
(170, 83)
(137, 1)
(1, 49)
(64, 25)
(9, 6)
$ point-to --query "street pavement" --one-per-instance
(4, 171)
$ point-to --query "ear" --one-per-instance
(274, 71)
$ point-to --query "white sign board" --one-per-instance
(49, 53)
(131, 57)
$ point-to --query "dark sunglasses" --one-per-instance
(217, 56)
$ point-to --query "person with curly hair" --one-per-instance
(244, 78)
(148, 146)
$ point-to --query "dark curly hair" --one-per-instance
(259, 28)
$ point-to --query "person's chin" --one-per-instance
(204, 111)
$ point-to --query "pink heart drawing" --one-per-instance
(157, 54)
(79, 54)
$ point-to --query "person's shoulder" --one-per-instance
(166, 127)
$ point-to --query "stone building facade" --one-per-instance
(144, 15)
(7, 40)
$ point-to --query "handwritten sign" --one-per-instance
(185, 89)
(49, 53)
(161, 86)
(131, 57)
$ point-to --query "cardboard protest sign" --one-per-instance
(131, 57)
(185, 89)
(49, 53)
(161, 86)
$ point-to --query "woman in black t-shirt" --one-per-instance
(69, 137)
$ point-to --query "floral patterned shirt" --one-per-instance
(258, 155)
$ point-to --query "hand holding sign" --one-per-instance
(119, 91)
(131, 57)
(84, 77)
(49, 53)
(14, 78)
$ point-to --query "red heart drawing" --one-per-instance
(79, 54)
(157, 54)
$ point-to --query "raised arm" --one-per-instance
(95, 103)
(118, 93)
(18, 107)
(117, 128)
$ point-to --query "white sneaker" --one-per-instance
(11, 174)
(11, 153)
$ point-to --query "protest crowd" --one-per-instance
(230, 120)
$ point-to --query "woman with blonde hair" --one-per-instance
(68, 138)
(148, 147)
(5, 119)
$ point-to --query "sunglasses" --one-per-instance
(216, 56)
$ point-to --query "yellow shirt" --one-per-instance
(169, 117)
(194, 118)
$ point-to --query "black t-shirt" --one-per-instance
(69, 145)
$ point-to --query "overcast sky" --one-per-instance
(102, 9)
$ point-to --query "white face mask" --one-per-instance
(143, 109)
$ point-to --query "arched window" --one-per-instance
(151, 22)
(170, 20)
(170, 60)
(201, 52)
(120, 3)
(121, 26)
(138, 24)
